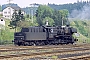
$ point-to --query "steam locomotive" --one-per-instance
(45, 35)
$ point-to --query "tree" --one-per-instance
(13, 21)
(45, 11)
(20, 15)
(57, 17)
(16, 17)
(0, 8)
(64, 16)
(50, 21)
(23, 24)
(70, 7)
(42, 12)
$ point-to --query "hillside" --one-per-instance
(83, 28)
(70, 7)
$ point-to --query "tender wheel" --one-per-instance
(32, 44)
(19, 44)
(26, 44)
(72, 43)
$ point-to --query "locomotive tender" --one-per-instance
(45, 35)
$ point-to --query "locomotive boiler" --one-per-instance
(45, 35)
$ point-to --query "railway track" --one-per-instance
(27, 52)
(3, 47)
(62, 53)
(38, 48)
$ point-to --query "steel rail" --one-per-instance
(43, 53)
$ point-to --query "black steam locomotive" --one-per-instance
(45, 35)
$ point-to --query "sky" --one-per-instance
(25, 3)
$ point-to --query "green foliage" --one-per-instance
(6, 36)
(20, 16)
(57, 17)
(27, 16)
(64, 15)
(81, 27)
(70, 7)
(50, 21)
(42, 12)
(23, 24)
(16, 18)
(84, 23)
(0, 8)
(28, 21)
(45, 11)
